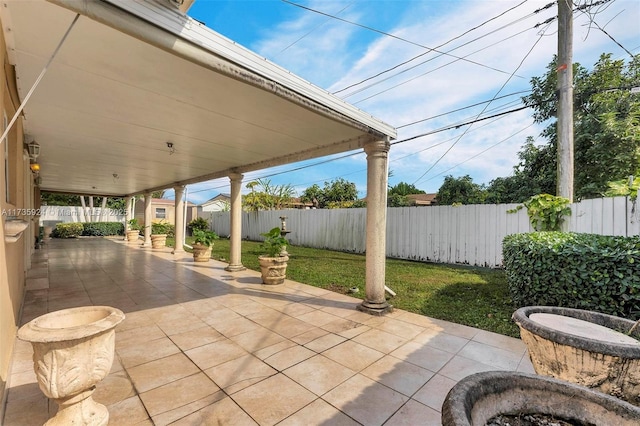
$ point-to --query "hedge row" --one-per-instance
(93, 229)
(583, 271)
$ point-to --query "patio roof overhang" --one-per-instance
(135, 75)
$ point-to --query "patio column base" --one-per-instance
(235, 268)
(375, 309)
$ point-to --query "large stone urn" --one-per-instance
(477, 399)
(201, 253)
(73, 350)
(584, 347)
(158, 241)
(273, 269)
(133, 235)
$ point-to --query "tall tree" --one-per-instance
(534, 174)
(460, 190)
(397, 195)
(266, 196)
(339, 193)
(606, 121)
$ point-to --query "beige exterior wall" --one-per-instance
(169, 211)
(16, 192)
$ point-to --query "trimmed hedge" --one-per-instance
(67, 230)
(583, 271)
(90, 229)
(101, 229)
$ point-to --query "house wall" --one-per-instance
(170, 212)
(17, 194)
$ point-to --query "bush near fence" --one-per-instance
(101, 229)
(67, 230)
(89, 229)
(583, 271)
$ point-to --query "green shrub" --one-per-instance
(100, 229)
(199, 224)
(546, 212)
(163, 227)
(583, 271)
(67, 230)
(205, 238)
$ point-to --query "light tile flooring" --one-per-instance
(202, 346)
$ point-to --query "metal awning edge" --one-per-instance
(185, 37)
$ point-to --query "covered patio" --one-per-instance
(201, 345)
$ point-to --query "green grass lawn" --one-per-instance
(465, 295)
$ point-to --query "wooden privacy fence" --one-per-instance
(470, 234)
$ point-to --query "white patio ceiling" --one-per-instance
(110, 102)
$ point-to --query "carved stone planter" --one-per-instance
(583, 347)
(158, 241)
(73, 350)
(133, 235)
(477, 398)
(201, 253)
(273, 269)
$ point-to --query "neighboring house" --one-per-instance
(422, 199)
(163, 210)
(219, 203)
(296, 203)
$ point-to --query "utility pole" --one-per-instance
(565, 99)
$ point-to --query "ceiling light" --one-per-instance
(171, 148)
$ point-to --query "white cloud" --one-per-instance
(333, 54)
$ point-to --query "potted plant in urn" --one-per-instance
(133, 232)
(273, 264)
(203, 244)
(159, 232)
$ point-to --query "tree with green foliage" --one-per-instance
(397, 195)
(534, 174)
(606, 121)
(460, 190)
(339, 193)
(266, 196)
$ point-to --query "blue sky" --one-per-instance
(499, 58)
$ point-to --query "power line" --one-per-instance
(499, 90)
(460, 109)
(427, 52)
(313, 29)
(480, 153)
(391, 35)
(423, 74)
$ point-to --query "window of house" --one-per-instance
(161, 213)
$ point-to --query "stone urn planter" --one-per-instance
(583, 347)
(201, 253)
(478, 398)
(273, 269)
(133, 235)
(73, 350)
(158, 241)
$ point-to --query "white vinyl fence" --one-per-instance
(469, 234)
(50, 215)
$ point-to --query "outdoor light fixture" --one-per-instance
(35, 167)
(34, 150)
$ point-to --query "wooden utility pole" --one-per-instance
(565, 99)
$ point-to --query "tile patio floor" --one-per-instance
(202, 346)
